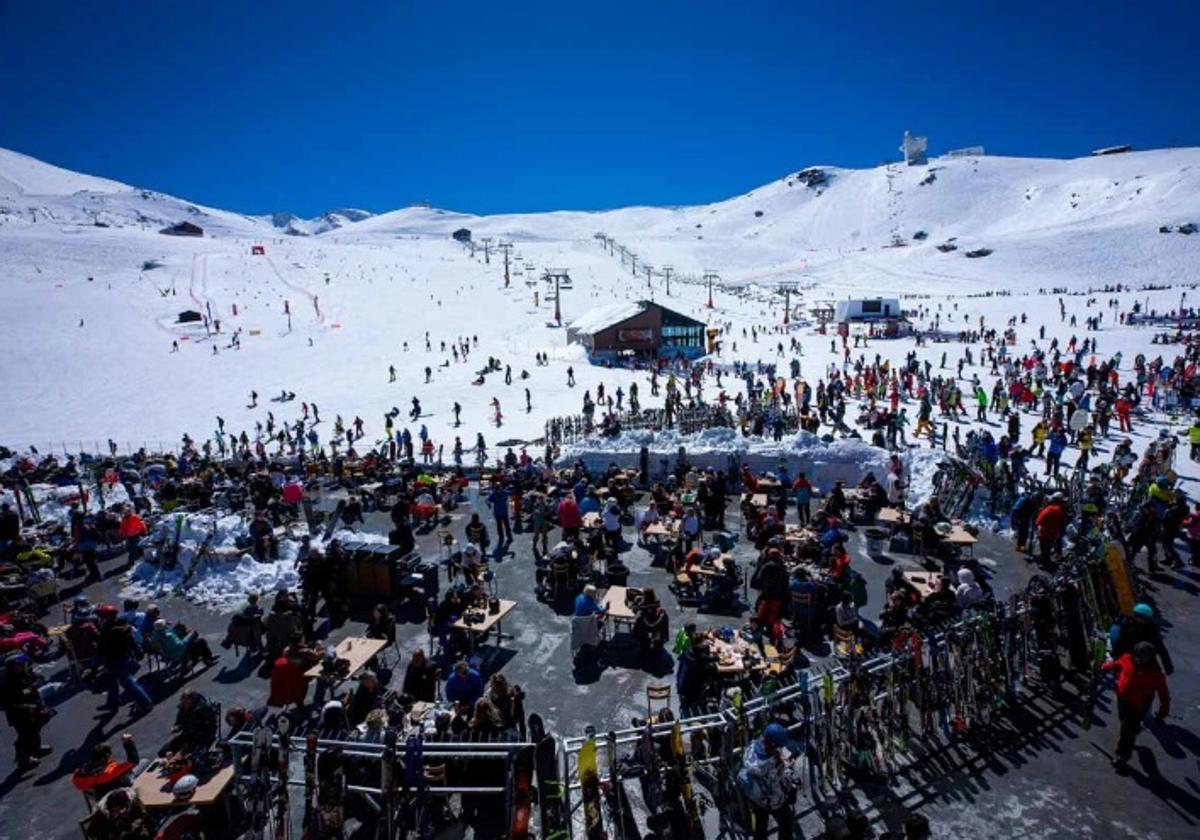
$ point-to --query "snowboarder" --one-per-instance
(416, 409)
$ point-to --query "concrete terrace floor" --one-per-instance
(1037, 773)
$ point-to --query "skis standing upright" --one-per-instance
(259, 779)
(387, 773)
(550, 788)
(311, 825)
(521, 793)
(283, 824)
(688, 793)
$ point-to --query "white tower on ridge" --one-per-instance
(914, 149)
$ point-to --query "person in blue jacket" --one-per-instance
(464, 685)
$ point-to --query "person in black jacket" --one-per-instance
(195, 726)
(1128, 630)
(421, 678)
(25, 710)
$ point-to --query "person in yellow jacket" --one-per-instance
(1194, 439)
(1085, 448)
(1039, 439)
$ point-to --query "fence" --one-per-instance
(685, 420)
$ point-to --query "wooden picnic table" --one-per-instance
(957, 536)
(490, 620)
(592, 521)
(615, 607)
(661, 530)
(153, 788)
(759, 500)
(924, 582)
(357, 650)
(739, 652)
(794, 533)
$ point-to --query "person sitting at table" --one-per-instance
(472, 563)
(587, 602)
(382, 624)
(894, 614)
(367, 696)
(464, 685)
(102, 773)
(839, 563)
(182, 649)
(968, 593)
(120, 815)
(926, 516)
(289, 685)
(375, 731)
(722, 589)
(649, 516)
(477, 533)
(420, 678)
(807, 610)
(283, 623)
(898, 583)
(652, 626)
(845, 614)
(590, 503)
(836, 503)
(942, 603)
(873, 496)
(832, 535)
(195, 727)
(771, 526)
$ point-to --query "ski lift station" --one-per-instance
(882, 315)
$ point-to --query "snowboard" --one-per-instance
(1118, 571)
(334, 519)
(520, 796)
(684, 775)
(589, 782)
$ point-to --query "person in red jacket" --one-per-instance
(1051, 524)
(569, 517)
(748, 479)
(132, 529)
(1123, 407)
(1139, 679)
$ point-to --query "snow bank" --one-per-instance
(54, 502)
(221, 583)
(722, 448)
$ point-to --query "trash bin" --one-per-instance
(617, 574)
(876, 537)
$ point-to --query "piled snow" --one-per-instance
(220, 584)
(54, 502)
(723, 448)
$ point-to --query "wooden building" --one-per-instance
(638, 328)
(183, 229)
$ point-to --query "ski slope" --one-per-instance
(90, 291)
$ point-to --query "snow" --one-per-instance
(359, 291)
(722, 448)
(603, 317)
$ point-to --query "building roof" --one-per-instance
(603, 317)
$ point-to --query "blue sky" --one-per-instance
(488, 107)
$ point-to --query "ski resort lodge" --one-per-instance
(183, 229)
(637, 328)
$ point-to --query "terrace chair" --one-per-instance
(660, 693)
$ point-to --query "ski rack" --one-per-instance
(727, 718)
(439, 751)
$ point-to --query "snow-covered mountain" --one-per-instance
(92, 291)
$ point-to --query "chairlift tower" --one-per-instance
(633, 263)
(666, 272)
(787, 288)
(487, 249)
(710, 277)
(557, 276)
(506, 247)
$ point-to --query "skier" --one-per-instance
(416, 409)
(497, 416)
(457, 411)
(1139, 680)
(570, 377)
(528, 403)
(391, 373)
(254, 399)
